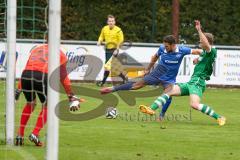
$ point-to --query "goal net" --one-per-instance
(31, 29)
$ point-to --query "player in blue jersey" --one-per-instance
(170, 56)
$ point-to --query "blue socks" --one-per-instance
(123, 87)
(165, 107)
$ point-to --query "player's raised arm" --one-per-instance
(196, 51)
(203, 39)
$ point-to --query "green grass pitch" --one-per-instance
(184, 135)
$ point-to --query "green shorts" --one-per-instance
(194, 86)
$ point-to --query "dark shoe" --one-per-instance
(33, 138)
(19, 141)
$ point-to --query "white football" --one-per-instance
(111, 113)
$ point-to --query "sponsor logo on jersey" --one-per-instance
(170, 61)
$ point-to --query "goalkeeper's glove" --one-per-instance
(74, 102)
(17, 94)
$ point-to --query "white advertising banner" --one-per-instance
(226, 67)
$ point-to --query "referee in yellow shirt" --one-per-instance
(113, 37)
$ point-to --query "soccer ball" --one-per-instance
(111, 113)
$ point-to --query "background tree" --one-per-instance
(83, 20)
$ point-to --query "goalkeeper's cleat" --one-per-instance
(221, 121)
(106, 90)
(146, 109)
(19, 141)
(33, 138)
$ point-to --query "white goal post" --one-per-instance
(10, 77)
(54, 32)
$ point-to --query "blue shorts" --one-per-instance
(152, 80)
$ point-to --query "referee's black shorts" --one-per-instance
(108, 54)
(34, 82)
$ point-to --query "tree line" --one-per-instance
(141, 20)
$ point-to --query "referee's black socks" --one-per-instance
(106, 74)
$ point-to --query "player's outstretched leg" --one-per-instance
(124, 87)
(160, 101)
(194, 102)
(210, 112)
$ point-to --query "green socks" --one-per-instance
(160, 101)
(208, 111)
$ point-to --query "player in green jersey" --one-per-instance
(196, 86)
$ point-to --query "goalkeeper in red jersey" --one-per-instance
(34, 80)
